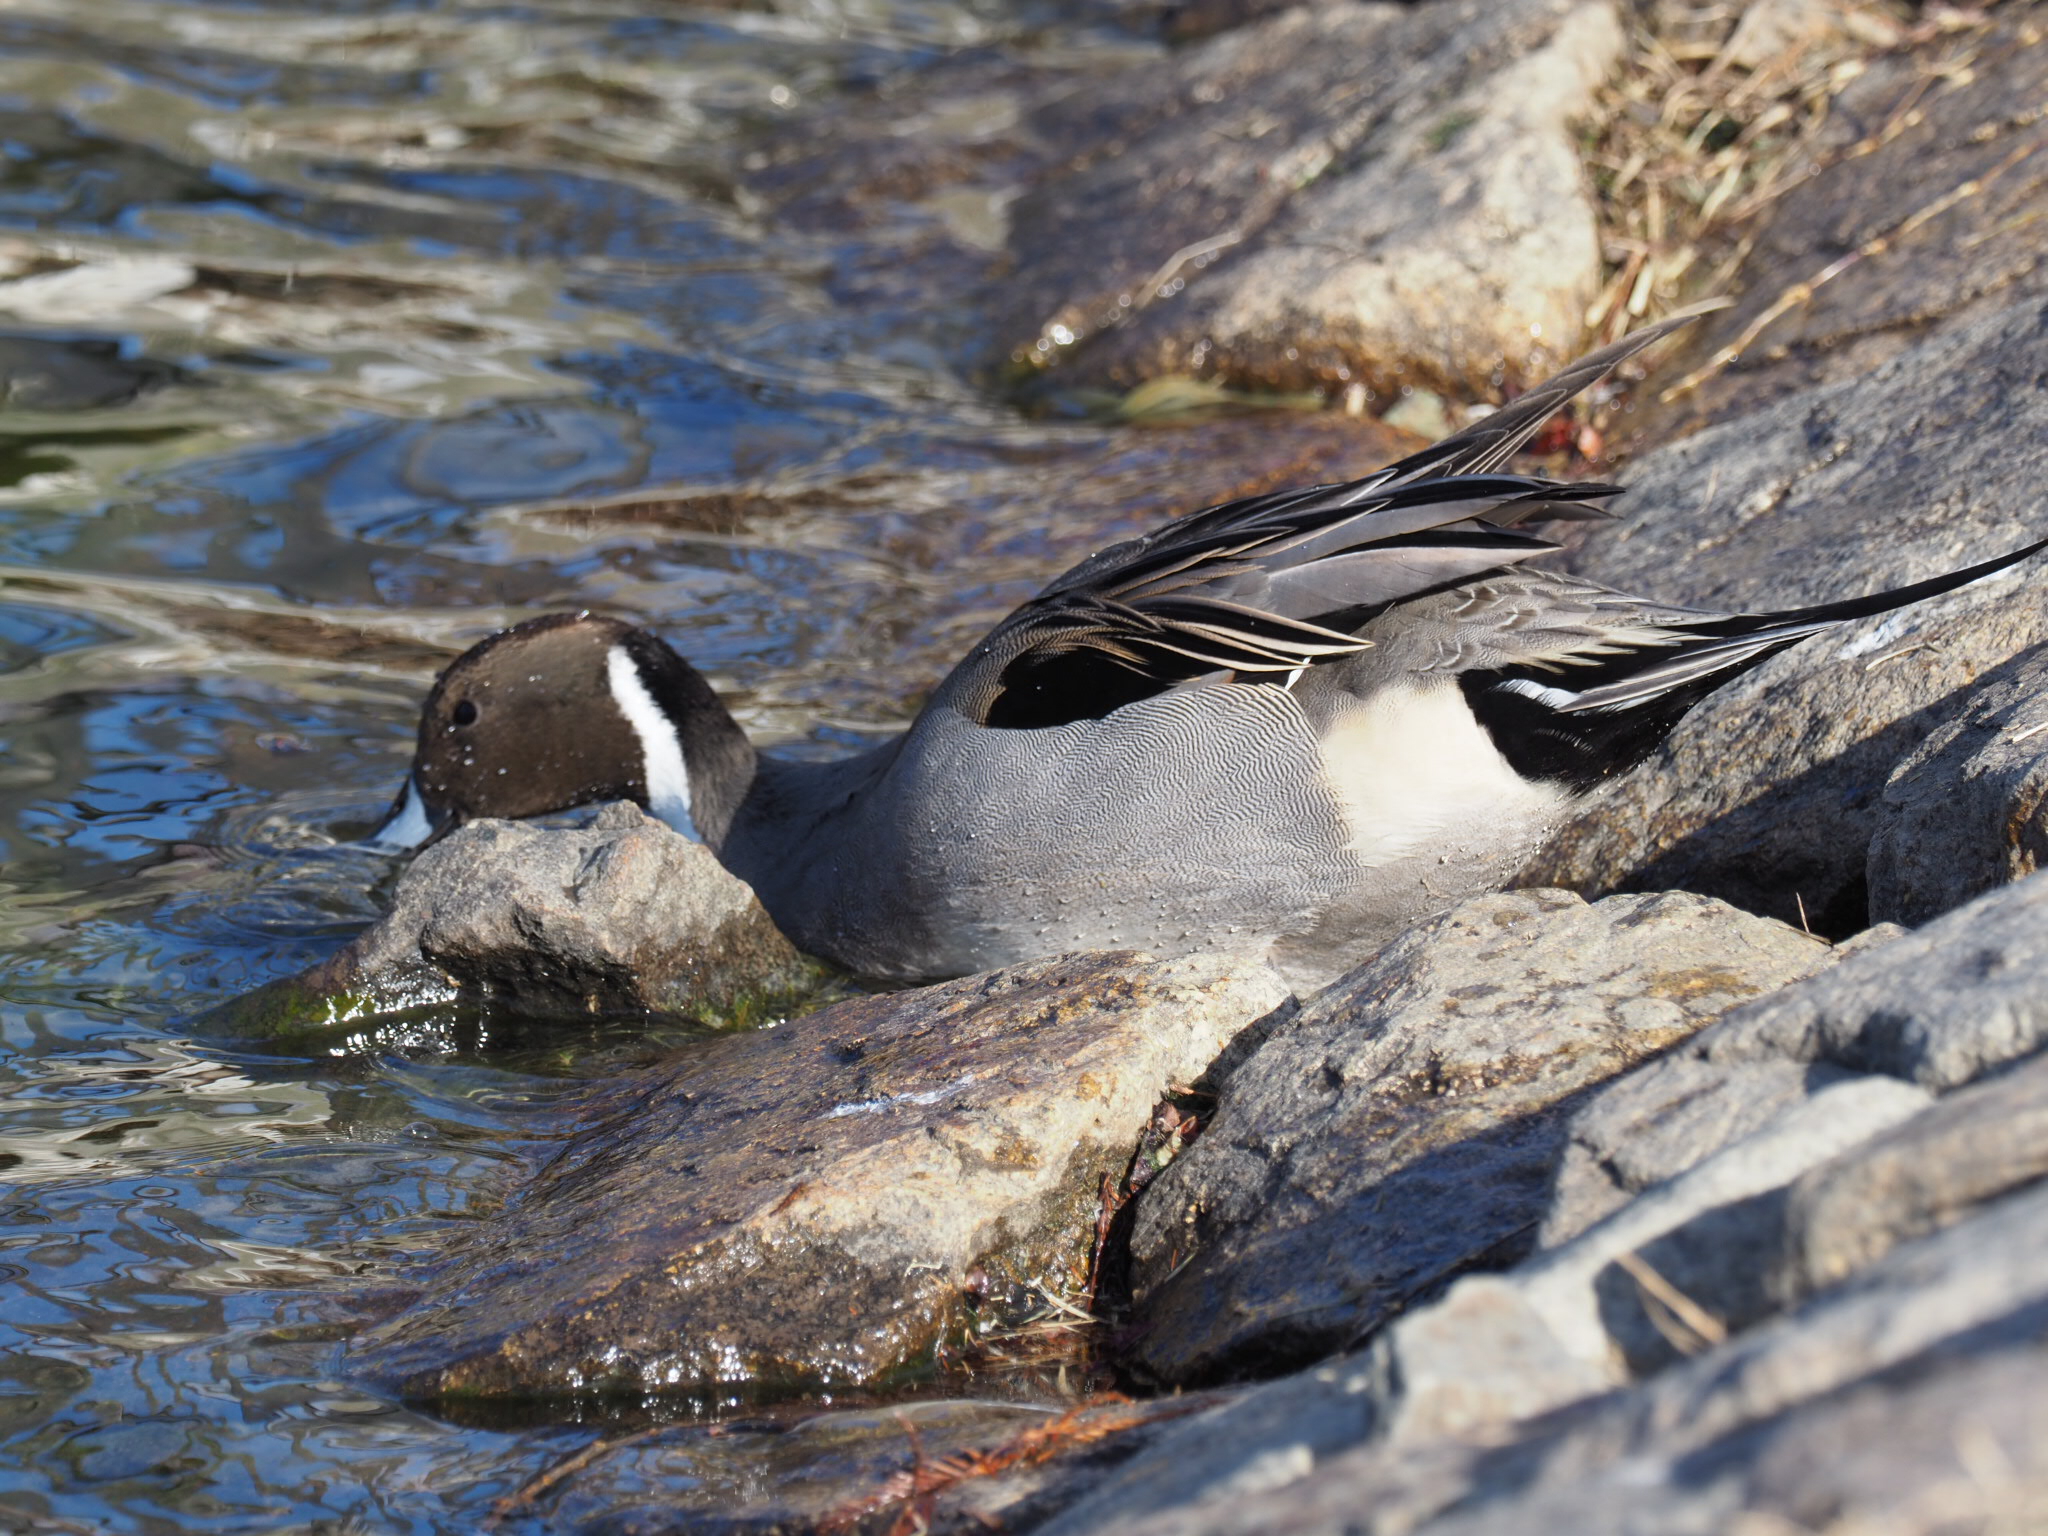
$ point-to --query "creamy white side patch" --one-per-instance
(408, 826)
(1414, 770)
(661, 750)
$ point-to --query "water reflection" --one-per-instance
(333, 335)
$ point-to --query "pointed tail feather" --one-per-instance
(1630, 698)
(1726, 647)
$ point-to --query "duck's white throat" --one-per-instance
(661, 748)
(408, 826)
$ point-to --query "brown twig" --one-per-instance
(1111, 1200)
(566, 1468)
(918, 1487)
(1800, 292)
(1689, 143)
(1686, 1325)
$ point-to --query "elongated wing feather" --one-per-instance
(1270, 584)
(1491, 441)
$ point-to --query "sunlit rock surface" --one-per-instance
(1403, 1127)
(801, 1207)
(1968, 810)
(624, 915)
(1350, 193)
(1828, 1304)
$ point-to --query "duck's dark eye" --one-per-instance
(464, 712)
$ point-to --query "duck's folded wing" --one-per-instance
(1270, 584)
(1256, 596)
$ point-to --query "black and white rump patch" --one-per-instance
(1581, 720)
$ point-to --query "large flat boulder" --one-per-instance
(818, 1205)
(1340, 194)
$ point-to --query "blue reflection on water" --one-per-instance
(206, 687)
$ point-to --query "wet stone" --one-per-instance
(794, 1474)
(624, 915)
(1405, 1125)
(1769, 793)
(800, 1208)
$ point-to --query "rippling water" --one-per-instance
(335, 334)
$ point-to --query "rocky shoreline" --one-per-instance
(1696, 1195)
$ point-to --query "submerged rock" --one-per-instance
(853, 1467)
(1404, 1126)
(803, 1207)
(624, 915)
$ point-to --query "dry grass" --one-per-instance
(1720, 108)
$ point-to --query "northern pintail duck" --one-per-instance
(1298, 721)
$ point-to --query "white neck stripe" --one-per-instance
(409, 825)
(661, 749)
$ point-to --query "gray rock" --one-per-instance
(1687, 1450)
(1768, 794)
(1948, 176)
(1568, 1327)
(799, 1208)
(1760, 1177)
(1968, 810)
(1940, 1006)
(1697, 1257)
(1271, 1436)
(1341, 193)
(1948, 1324)
(1733, 1240)
(1404, 1126)
(624, 915)
(1654, 1124)
(1971, 1147)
